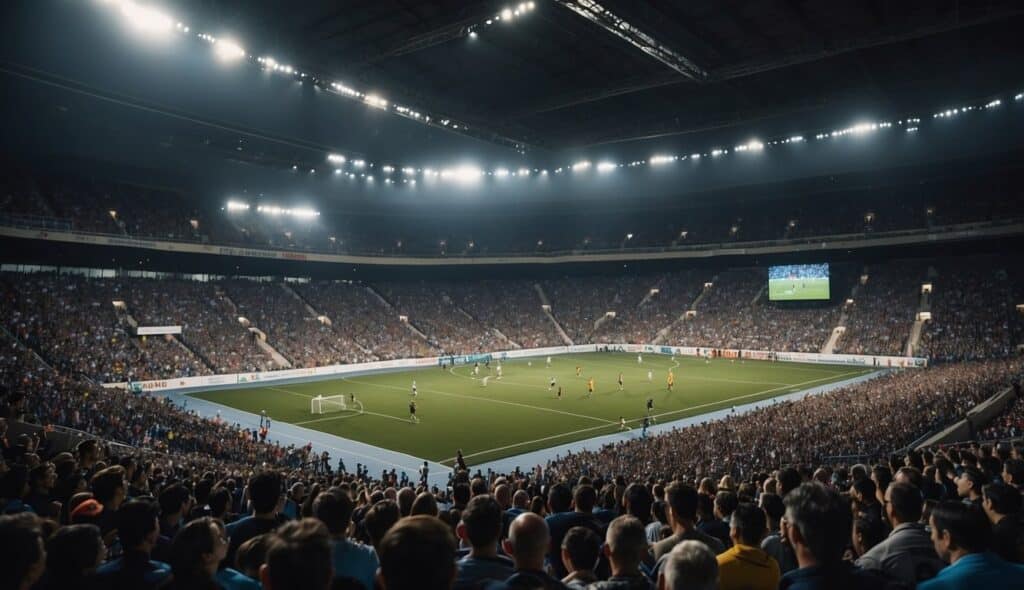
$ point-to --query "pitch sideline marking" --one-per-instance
(488, 451)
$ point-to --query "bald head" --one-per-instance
(528, 540)
(503, 494)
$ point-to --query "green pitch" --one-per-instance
(798, 289)
(517, 413)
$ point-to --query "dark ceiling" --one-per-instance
(555, 79)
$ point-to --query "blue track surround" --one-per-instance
(377, 459)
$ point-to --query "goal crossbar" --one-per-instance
(323, 404)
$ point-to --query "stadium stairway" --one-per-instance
(840, 327)
(313, 312)
(545, 306)
(394, 310)
(186, 349)
(663, 333)
(501, 336)
(261, 336)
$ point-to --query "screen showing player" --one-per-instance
(798, 282)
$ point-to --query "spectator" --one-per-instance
(775, 543)
(568, 509)
(267, 499)
(961, 534)
(350, 559)
(690, 565)
(907, 553)
(196, 551)
(298, 557)
(378, 521)
(1002, 505)
(625, 547)
(72, 555)
(968, 486)
(25, 554)
(138, 528)
(581, 548)
(527, 543)
(418, 552)
(744, 566)
(480, 528)
(681, 501)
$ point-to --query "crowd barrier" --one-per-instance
(208, 381)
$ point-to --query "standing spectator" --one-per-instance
(24, 553)
(681, 500)
(350, 559)
(907, 553)
(418, 552)
(691, 565)
(527, 543)
(108, 488)
(195, 553)
(568, 509)
(1002, 504)
(378, 521)
(138, 528)
(744, 566)
(267, 498)
(968, 486)
(775, 544)
(481, 529)
(625, 546)
(298, 557)
(72, 555)
(961, 535)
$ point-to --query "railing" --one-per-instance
(35, 222)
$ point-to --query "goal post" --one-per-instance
(323, 404)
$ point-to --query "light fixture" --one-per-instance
(228, 50)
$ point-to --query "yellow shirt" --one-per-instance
(743, 567)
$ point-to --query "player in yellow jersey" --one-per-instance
(620, 381)
(590, 387)
(671, 380)
(579, 370)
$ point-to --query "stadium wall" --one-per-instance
(183, 384)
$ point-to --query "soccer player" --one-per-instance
(590, 387)
(579, 370)
(559, 394)
(549, 361)
(476, 368)
(499, 371)
(639, 359)
(671, 379)
(414, 393)
(650, 408)
(352, 397)
(622, 424)
(551, 383)
(485, 380)
(620, 381)
(412, 412)
(650, 375)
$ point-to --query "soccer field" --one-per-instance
(798, 289)
(517, 413)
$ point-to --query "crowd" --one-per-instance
(883, 310)
(578, 303)
(971, 310)
(641, 324)
(512, 307)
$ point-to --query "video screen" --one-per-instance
(798, 282)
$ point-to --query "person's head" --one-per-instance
(819, 523)
(197, 550)
(527, 542)
(999, 500)
(265, 492)
(481, 522)
(903, 503)
(580, 549)
(298, 557)
(42, 477)
(584, 497)
(21, 536)
(74, 551)
(773, 508)
(503, 494)
(108, 487)
(251, 555)
(789, 479)
(637, 501)
(424, 504)
(521, 499)
(747, 525)
(863, 490)
(559, 498)
(1013, 472)
(88, 452)
(681, 500)
(725, 503)
(219, 501)
(418, 552)
(405, 498)
(691, 565)
(969, 483)
(379, 519)
(460, 494)
(334, 508)
(958, 529)
(625, 544)
(868, 531)
(910, 475)
(137, 525)
(174, 501)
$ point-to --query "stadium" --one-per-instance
(485, 295)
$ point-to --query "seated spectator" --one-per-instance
(72, 555)
(481, 529)
(527, 543)
(378, 521)
(744, 566)
(138, 528)
(424, 504)
(961, 534)
(818, 527)
(568, 509)
(681, 501)
(718, 526)
(1002, 505)
(298, 557)
(24, 552)
(625, 547)
(775, 543)
(196, 551)
(418, 552)
(267, 499)
(350, 559)
(251, 555)
(690, 565)
(907, 553)
(581, 548)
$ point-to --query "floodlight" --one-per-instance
(336, 158)
(506, 14)
(582, 165)
(146, 19)
(228, 50)
(606, 166)
(501, 172)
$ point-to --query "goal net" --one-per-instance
(323, 404)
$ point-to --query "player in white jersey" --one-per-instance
(414, 392)
(549, 361)
(486, 379)
(639, 359)
(551, 384)
(622, 424)
(476, 369)
(650, 375)
(620, 381)
(499, 371)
